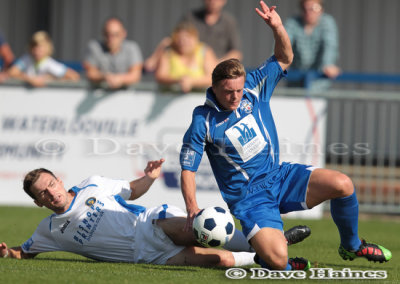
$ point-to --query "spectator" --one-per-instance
(115, 61)
(216, 28)
(314, 38)
(7, 56)
(187, 63)
(38, 68)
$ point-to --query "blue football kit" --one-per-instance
(243, 149)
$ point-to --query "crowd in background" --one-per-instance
(182, 61)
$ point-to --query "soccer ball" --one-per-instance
(213, 227)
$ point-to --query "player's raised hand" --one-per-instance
(269, 15)
(153, 168)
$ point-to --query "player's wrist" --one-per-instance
(193, 210)
(6, 255)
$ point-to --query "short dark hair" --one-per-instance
(32, 177)
(228, 69)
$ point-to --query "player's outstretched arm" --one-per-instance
(141, 185)
(283, 48)
(188, 187)
(15, 252)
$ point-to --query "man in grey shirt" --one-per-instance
(217, 28)
(115, 61)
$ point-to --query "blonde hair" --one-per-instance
(42, 38)
(184, 26)
(228, 69)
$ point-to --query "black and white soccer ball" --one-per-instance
(213, 227)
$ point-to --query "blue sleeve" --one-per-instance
(22, 63)
(193, 142)
(264, 79)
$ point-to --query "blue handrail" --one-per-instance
(352, 77)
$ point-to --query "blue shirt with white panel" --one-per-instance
(242, 145)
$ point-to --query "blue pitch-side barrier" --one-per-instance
(352, 77)
(306, 76)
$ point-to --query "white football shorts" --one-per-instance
(152, 245)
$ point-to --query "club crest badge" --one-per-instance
(246, 106)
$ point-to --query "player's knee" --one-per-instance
(343, 185)
(278, 262)
(277, 259)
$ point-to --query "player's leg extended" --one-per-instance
(173, 228)
(198, 256)
(332, 185)
(209, 257)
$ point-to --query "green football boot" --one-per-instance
(372, 252)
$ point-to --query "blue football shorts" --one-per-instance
(282, 191)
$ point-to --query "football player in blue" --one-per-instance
(236, 129)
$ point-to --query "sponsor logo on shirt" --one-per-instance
(222, 122)
(246, 137)
(89, 224)
(246, 133)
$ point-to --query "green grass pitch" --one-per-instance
(18, 223)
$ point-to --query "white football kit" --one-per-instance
(100, 225)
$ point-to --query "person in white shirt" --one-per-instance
(38, 68)
(94, 220)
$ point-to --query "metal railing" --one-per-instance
(362, 136)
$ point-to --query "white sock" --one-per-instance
(238, 243)
(243, 258)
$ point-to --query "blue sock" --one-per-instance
(344, 213)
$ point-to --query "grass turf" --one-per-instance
(18, 223)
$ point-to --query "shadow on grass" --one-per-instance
(352, 265)
(66, 259)
(179, 268)
(141, 265)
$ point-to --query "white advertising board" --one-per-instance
(77, 133)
